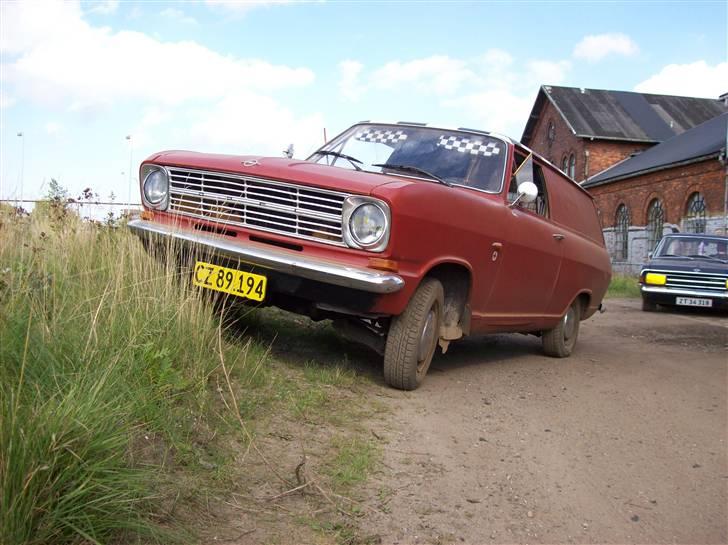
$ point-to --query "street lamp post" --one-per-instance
(22, 164)
(131, 147)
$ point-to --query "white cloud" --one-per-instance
(439, 74)
(597, 46)
(177, 15)
(240, 7)
(350, 84)
(62, 60)
(503, 111)
(697, 79)
(547, 72)
(104, 7)
(246, 123)
(490, 90)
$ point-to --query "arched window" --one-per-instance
(564, 164)
(695, 221)
(621, 233)
(572, 165)
(655, 223)
(551, 133)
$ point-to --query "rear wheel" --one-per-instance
(413, 337)
(560, 341)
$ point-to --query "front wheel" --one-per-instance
(648, 306)
(413, 337)
(560, 341)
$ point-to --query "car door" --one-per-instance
(531, 253)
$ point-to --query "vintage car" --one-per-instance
(407, 236)
(686, 270)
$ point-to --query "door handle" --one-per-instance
(559, 236)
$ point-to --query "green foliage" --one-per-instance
(623, 286)
(354, 459)
(101, 348)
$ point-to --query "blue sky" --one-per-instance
(252, 77)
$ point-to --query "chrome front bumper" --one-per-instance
(685, 292)
(284, 261)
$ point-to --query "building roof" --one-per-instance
(702, 142)
(623, 115)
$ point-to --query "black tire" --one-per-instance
(413, 337)
(559, 342)
(648, 306)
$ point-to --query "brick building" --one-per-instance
(653, 162)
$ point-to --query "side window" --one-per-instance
(525, 169)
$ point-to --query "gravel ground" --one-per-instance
(625, 441)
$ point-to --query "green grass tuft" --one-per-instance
(101, 348)
(355, 458)
(623, 286)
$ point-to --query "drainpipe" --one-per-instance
(724, 162)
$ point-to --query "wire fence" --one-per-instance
(87, 209)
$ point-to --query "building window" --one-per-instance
(572, 166)
(655, 223)
(564, 164)
(695, 221)
(551, 133)
(621, 233)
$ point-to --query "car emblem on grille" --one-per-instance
(251, 163)
(696, 270)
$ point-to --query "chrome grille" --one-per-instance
(266, 205)
(707, 282)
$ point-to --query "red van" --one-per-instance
(407, 236)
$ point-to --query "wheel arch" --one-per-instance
(456, 279)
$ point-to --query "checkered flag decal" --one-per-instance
(381, 136)
(465, 145)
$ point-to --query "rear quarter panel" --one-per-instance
(586, 267)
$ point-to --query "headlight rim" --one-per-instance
(146, 171)
(351, 205)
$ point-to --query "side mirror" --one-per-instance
(527, 192)
(649, 255)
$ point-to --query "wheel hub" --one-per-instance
(569, 324)
(427, 337)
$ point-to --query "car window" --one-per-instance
(524, 169)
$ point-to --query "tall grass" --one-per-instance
(102, 349)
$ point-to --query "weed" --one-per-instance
(623, 286)
(353, 461)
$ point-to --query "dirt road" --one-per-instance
(623, 442)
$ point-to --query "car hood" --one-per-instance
(687, 265)
(277, 168)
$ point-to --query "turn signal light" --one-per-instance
(383, 264)
(656, 279)
(147, 215)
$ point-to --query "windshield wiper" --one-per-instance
(708, 257)
(675, 255)
(352, 160)
(411, 168)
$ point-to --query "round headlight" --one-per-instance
(155, 186)
(367, 224)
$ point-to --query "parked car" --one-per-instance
(407, 236)
(686, 270)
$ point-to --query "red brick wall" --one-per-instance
(673, 186)
(602, 153)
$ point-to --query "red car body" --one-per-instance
(502, 267)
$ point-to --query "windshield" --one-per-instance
(693, 247)
(460, 158)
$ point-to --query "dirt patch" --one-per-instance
(625, 441)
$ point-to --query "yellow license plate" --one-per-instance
(243, 284)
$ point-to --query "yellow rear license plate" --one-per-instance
(243, 284)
